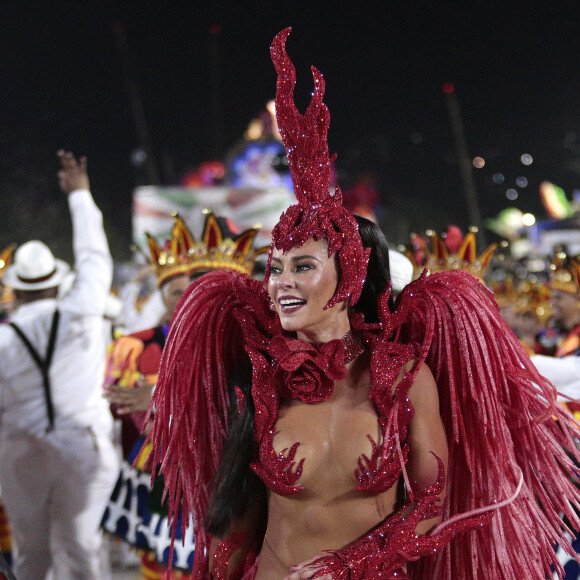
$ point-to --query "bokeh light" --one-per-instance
(521, 181)
(254, 130)
(448, 88)
(511, 194)
(498, 178)
(478, 162)
(138, 157)
(527, 159)
(528, 219)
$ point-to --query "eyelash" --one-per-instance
(303, 267)
(299, 268)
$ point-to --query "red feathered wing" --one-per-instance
(503, 428)
(191, 401)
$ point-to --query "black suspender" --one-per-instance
(43, 364)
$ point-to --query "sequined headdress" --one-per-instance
(565, 273)
(319, 213)
(218, 249)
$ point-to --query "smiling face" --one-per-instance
(301, 283)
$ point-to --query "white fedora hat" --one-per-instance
(35, 268)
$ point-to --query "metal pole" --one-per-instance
(465, 164)
(136, 103)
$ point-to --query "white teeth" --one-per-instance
(291, 302)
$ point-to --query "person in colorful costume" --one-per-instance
(314, 430)
(134, 513)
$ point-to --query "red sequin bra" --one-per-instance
(307, 372)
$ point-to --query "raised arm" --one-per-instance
(93, 263)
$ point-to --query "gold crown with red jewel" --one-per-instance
(432, 252)
(565, 273)
(217, 249)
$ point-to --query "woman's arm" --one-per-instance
(426, 438)
(229, 555)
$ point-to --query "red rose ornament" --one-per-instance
(306, 371)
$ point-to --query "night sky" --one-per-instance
(516, 69)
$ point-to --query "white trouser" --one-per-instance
(55, 491)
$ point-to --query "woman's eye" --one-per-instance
(275, 270)
(303, 267)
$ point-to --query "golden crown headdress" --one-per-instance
(6, 258)
(565, 273)
(217, 249)
(526, 296)
(534, 297)
(439, 255)
(505, 292)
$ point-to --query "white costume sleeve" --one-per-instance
(563, 372)
(93, 262)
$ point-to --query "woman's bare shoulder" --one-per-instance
(423, 391)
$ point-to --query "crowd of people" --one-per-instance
(329, 418)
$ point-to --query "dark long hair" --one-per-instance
(378, 272)
(236, 487)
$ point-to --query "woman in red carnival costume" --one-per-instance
(315, 430)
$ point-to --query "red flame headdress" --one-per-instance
(319, 213)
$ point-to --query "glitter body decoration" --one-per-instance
(510, 472)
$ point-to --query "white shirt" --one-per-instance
(77, 367)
